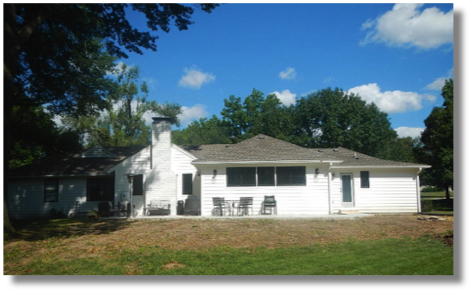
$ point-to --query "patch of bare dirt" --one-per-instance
(98, 238)
(254, 233)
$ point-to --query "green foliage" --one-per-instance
(327, 118)
(256, 115)
(332, 118)
(32, 142)
(436, 148)
(203, 131)
(123, 123)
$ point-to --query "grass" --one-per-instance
(421, 256)
(436, 203)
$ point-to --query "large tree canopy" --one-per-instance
(57, 55)
(437, 142)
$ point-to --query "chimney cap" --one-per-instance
(159, 119)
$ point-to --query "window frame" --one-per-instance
(260, 179)
(292, 176)
(364, 179)
(187, 184)
(138, 179)
(51, 195)
(240, 175)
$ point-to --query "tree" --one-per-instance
(204, 131)
(53, 54)
(41, 139)
(123, 123)
(332, 118)
(256, 115)
(437, 142)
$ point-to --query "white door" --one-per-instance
(347, 191)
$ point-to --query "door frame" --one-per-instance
(352, 203)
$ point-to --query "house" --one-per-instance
(304, 181)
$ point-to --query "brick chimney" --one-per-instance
(161, 180)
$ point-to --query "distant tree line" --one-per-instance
(326, 118)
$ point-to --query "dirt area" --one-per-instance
(241, 233)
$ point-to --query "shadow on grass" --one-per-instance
(42, 229)
(438, 206)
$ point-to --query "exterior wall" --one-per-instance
(391, 190)
(161, 184)
(181, 164)
(137, 164)
(26, 198)
(310, 199)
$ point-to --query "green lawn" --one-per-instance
(436, 203)
(422, 256)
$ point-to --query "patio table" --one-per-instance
(231, 205)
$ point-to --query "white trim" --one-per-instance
(184, 151)
(371, 167)
(266, 162)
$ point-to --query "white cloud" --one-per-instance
(286, 97)
(438, 83)
(407, 25)
(195, 78)
(288, 74)
(391, 101)
(409, 132)
(192, 113)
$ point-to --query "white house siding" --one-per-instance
(26, 198)
(391, 190)
(181, 164)
(136, 164)
(302, 200)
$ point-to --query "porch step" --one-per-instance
(348, 211)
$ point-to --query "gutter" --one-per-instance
(391, 167)
(266, 162)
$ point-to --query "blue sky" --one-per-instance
(393, 55)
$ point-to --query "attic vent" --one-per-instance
(96, 152)
(320, 151)
(261, 137)
(335, 150)
(355, 156)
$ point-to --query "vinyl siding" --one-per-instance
(26, 198)
(391, 190)
(181, 164)
(309, 199)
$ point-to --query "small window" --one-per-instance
(51, 190)
(241, 176)
(364, 179)
(291, 176)
(266, 176)
(138, 185)
(187, 184)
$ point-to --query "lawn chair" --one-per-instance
(244, 205)
(269, 205)
(220, 206)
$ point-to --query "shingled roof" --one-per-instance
(260, 148)
(355, 159)
(77, 164)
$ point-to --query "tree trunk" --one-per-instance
(447, 192)
(9, 72)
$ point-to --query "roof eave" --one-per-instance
(264, 162)
(381, 166)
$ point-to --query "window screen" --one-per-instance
(241, 176)
(266, 176)
(51, 190)
(291, 176)
(187, 184)
(138, 185)
(364, 179)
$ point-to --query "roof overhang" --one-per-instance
(59, 175)
(263, 162)
(381, 167)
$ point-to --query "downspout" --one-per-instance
(329, 188)
(418, 193)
